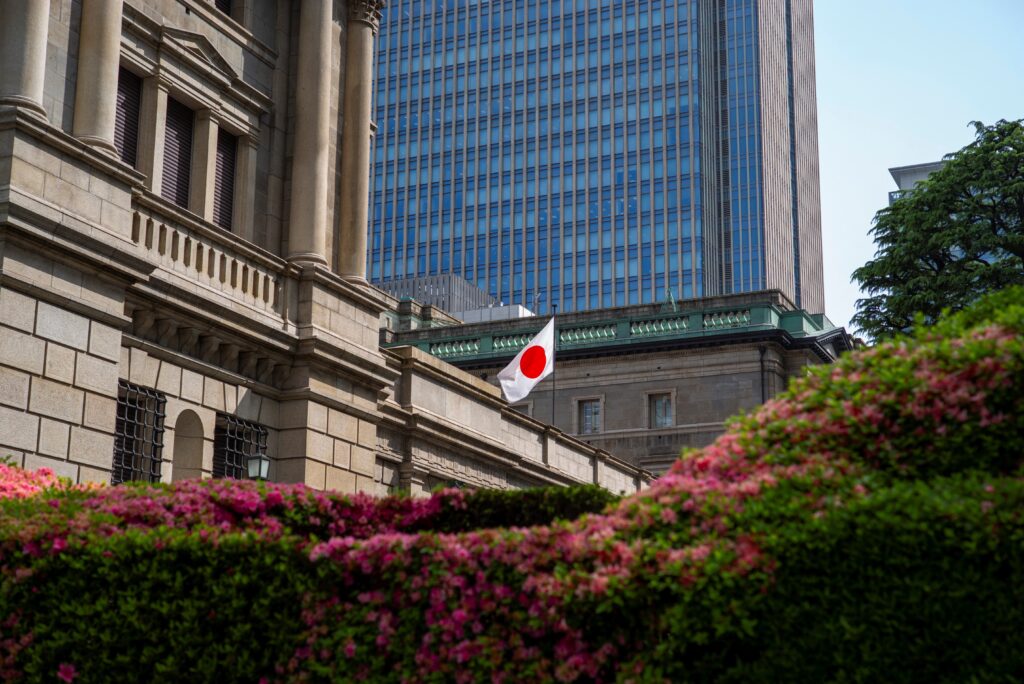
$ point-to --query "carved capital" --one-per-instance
(366, 12)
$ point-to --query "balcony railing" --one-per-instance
(218, 262)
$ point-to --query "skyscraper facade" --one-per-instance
(594, 153)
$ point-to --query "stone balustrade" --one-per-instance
(220, 263)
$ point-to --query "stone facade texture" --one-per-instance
(265, 322)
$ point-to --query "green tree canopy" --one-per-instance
(953, 238)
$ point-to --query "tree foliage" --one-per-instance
(953, 238)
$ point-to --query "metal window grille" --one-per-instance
(590, 416)
(235, 443)
(139, 434)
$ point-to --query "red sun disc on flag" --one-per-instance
(533, 362)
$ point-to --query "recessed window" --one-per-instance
(138, 434)
(589, 416)
(659, 410)
(224, 6)
(177, 152)
(126, 116)
(522, 408)
(240, 449)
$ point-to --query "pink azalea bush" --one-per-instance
(866, 525)
(16, 483)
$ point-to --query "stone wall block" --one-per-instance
(168, 379)
(89, 447)
(62, 326)
(19, 432)
(56, 400)
(17, 310)
(58, 466)
(213, 394)
(100, 412)
(367, 434)
(53, 438)
(13, 387)
(60, 363)
(339, 480)
(191, 386)
(144, 368)
(365, 485)
(319, 447)
(104, 341)
(342, 454)
(95, 374)
(21, 351)
(87, 474)
(363, 461)
(343, 426)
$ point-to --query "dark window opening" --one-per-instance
(224, 179)
(138, 434)
(126, 117)
(177, 153)
(239, 449)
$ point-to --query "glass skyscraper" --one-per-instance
(595, 153)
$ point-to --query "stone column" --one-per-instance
(24, 25)
(99, 52)
(363, 23)
(307, 219)
(204, 164)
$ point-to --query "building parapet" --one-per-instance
(613, 329)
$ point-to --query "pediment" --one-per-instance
(198, 50)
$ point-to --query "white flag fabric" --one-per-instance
(534, 363)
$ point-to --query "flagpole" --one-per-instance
(554, 353)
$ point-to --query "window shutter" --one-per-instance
(177, 152)
(224, 179)
(126, 118)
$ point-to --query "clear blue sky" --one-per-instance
(898, 82)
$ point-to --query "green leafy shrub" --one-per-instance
(865, 526)
(485, 508)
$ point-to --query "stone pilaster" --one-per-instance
(152, 131)
(99, 57)
(363, 24)
(24, 25)
(245, 188)
(307, 224)
(204, 164)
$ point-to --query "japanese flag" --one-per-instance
(534, 363)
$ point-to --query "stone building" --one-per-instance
(183, 212)
(646, 381)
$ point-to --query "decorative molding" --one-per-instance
(367, 12)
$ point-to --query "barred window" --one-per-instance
(139, 434)
(239, 449)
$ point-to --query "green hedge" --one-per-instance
(866, 526)
(485, 508)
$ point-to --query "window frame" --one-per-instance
(648, 415)
(577, 419)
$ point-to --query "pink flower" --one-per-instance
(66, 672)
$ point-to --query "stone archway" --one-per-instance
(188, 447)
